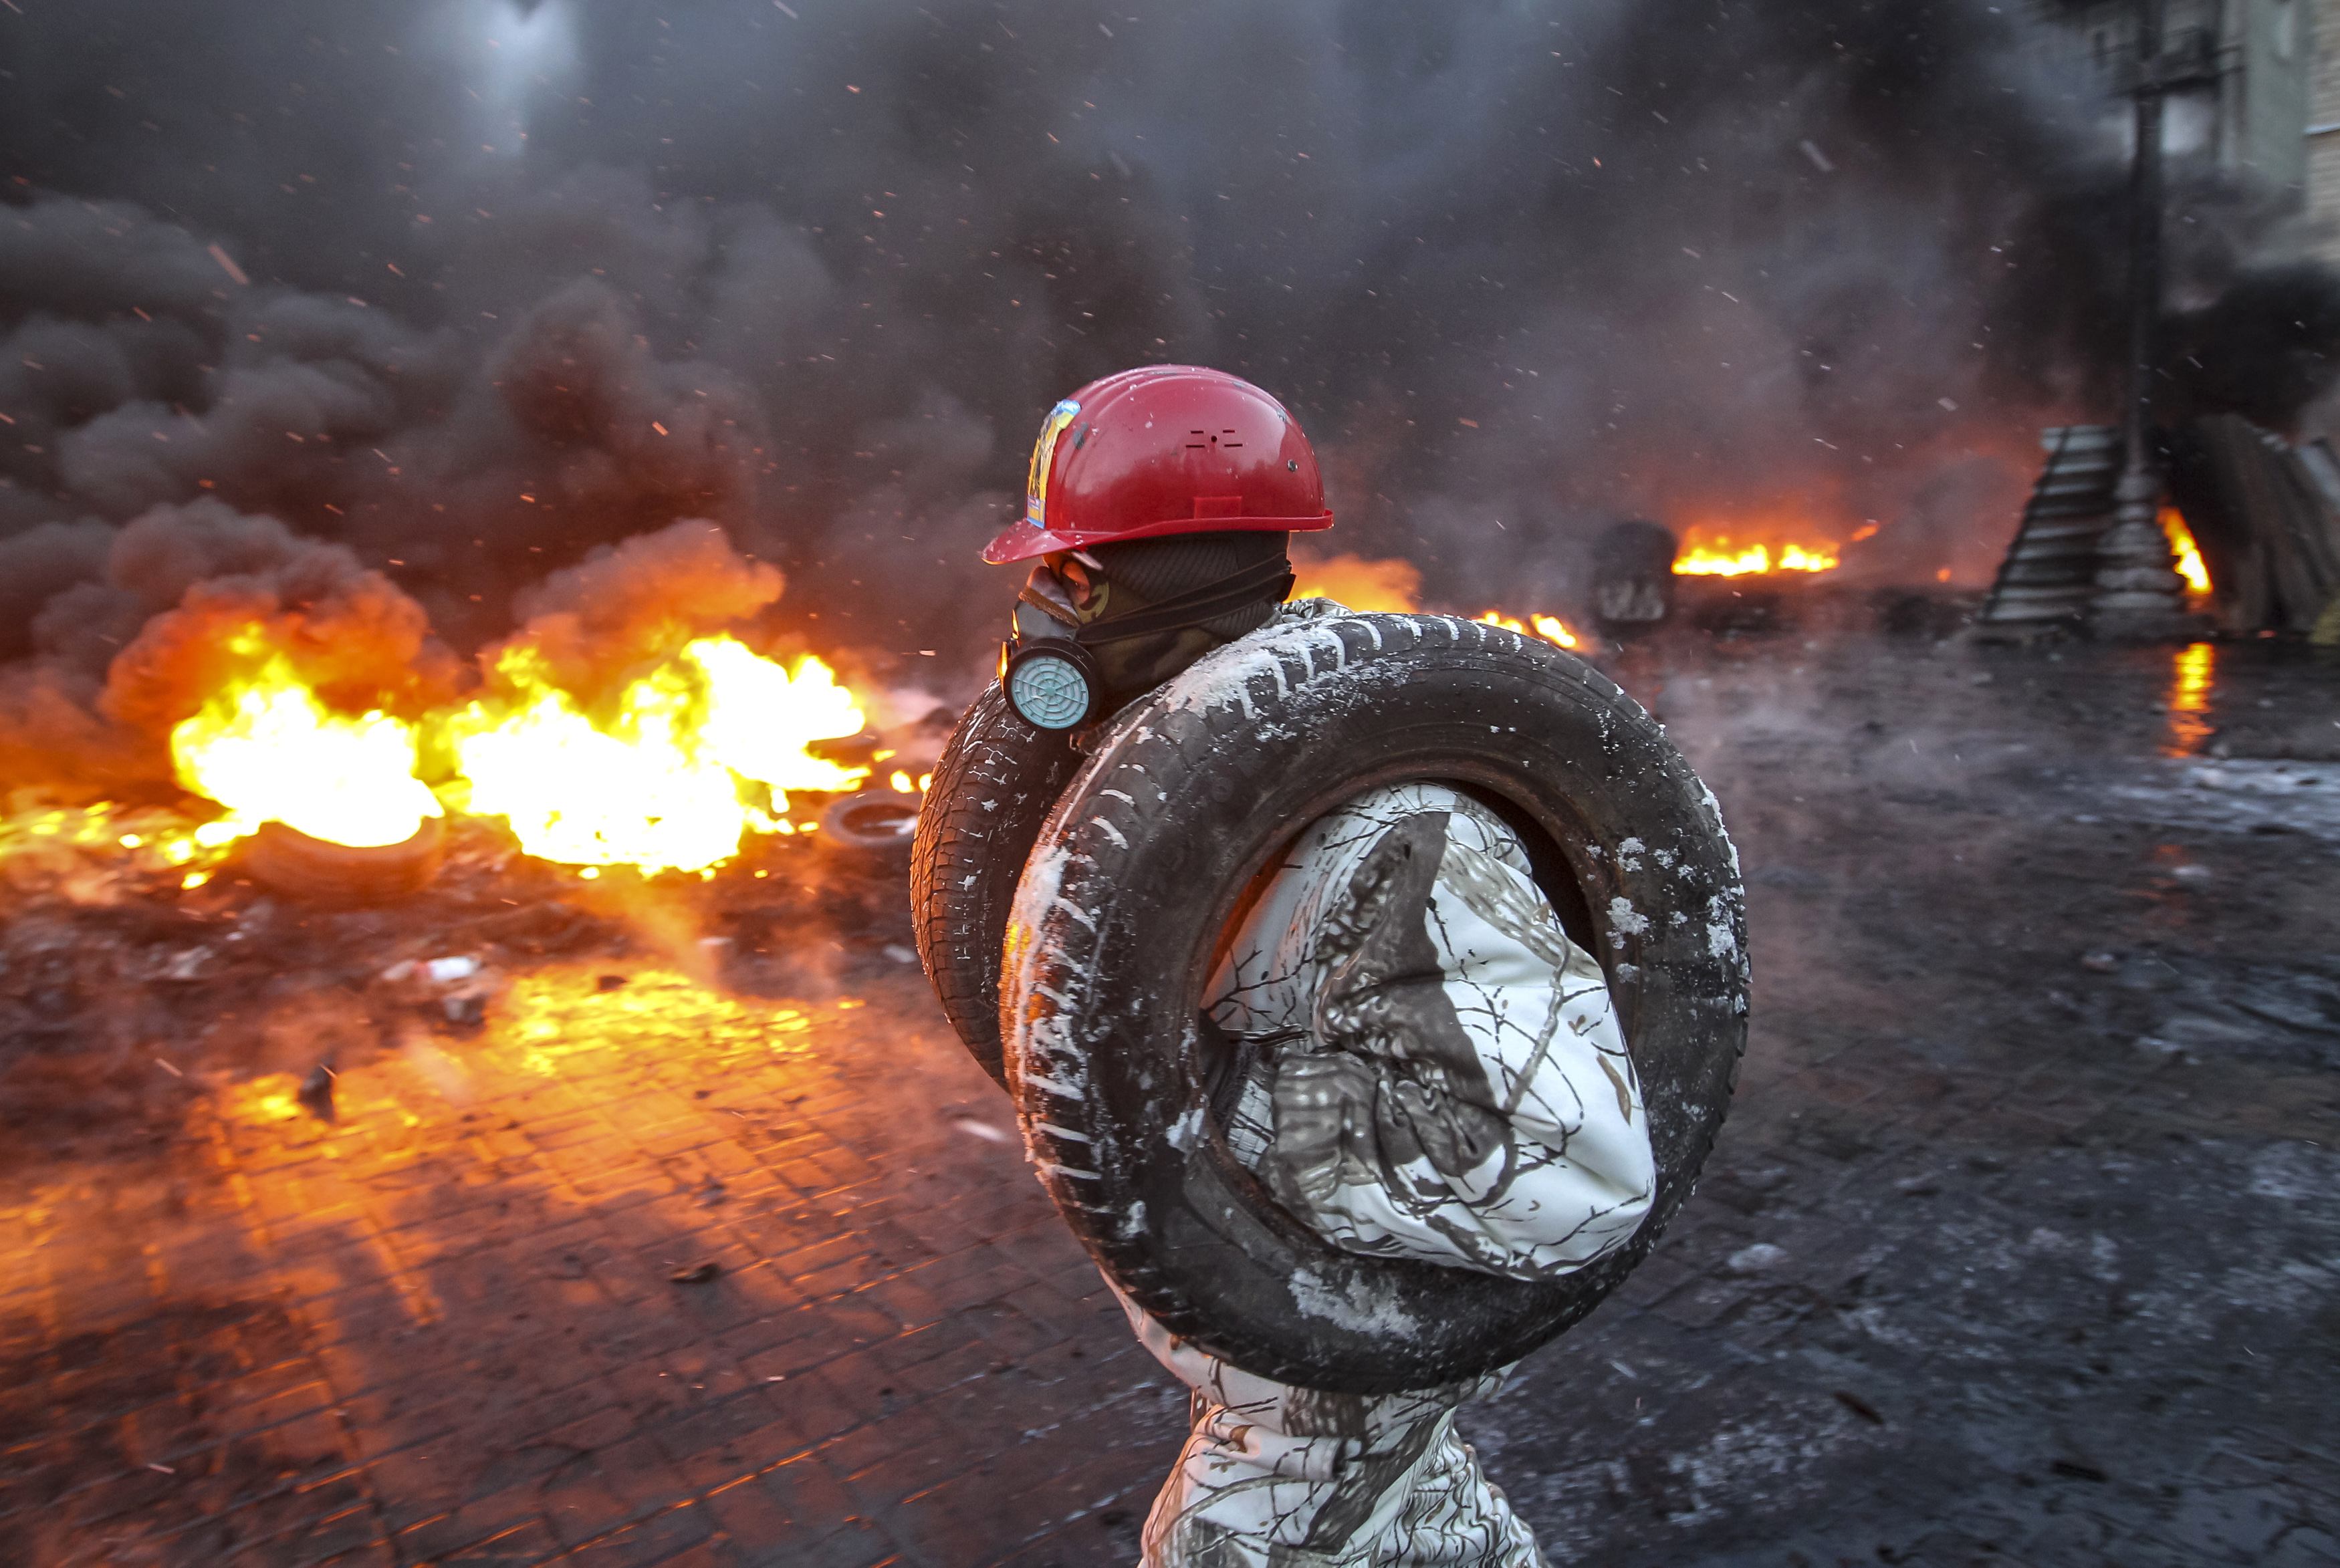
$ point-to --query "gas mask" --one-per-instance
(1087, 638)
(1050, 676)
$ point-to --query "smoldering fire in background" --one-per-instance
(384, 317)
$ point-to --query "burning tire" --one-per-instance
(1633, 576)
(1140, 867)
(290, 862)
(875, 823)
(991, 791)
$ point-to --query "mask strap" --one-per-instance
(1243, 589)
(1059, 610)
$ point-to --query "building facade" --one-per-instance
(2322, 143)
(2244, 73)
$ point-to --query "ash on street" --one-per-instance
(2020, 1247)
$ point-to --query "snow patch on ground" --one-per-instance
(1187, 1131)
(2294, 1173)
(2236, 797)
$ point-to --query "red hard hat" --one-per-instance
(1165, 449)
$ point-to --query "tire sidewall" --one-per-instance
(990, 794)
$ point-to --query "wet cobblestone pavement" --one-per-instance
(2021, 1246)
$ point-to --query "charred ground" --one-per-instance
(2019, 1247)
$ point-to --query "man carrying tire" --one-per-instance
(1418, 1063)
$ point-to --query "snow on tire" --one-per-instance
(1140, 867)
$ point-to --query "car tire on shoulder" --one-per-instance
(990, 792)
(1140, 867)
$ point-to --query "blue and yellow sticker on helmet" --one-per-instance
(1036, 484)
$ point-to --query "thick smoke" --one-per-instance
(464, 291)
(592, 625)
(174, 603)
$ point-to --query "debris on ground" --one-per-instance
(316, 1093)
(226, 980)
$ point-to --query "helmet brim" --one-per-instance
(1022, 542)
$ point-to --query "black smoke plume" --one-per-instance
(468, 291)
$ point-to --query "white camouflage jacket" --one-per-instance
(1440, 1074)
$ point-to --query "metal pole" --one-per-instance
(2145, 239)
(2138, 591)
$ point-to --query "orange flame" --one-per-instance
(669, 772)
(1359, 582)
(668, 775)
(1718, 558)
(1394, 585)
(2189, 557)
(689, 757)
(267, 748)
(1551, 628)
